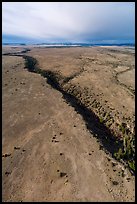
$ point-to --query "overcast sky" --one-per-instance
(69, 21)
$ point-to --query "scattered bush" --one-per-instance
(132, 165)
(101, 120)
(122, 129)
(118, 155)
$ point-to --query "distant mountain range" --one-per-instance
(71, 44)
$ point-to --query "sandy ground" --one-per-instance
(51, 156)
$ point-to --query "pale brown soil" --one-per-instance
(96, 73)
(48, 152)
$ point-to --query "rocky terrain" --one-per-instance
(68, 124)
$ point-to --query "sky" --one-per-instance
(75, 22)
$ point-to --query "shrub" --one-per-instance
(132, 165)
(118, 155)
(122, 129)
(101, 120)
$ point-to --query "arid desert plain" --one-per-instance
(68, 124)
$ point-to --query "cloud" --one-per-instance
(72, 21)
